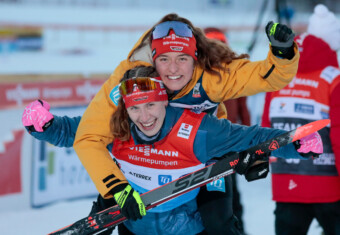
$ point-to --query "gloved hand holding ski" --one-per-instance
(130, 202)
(225, 166)
(310, 146)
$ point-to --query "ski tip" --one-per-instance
(310, 128)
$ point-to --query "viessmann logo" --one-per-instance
(304, 82)
(147, 150)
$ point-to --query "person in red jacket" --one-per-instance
(237, 113)
(311, 189)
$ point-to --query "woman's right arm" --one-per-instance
(218, 137)
(42, 125)
(61, 133)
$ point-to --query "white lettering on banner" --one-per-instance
(57, 93)
(87, 90)
(153, 161)
(304, 82)
(184, 131)
(146, 150)
(77, 92)
(19, 94)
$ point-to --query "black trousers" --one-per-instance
(237, 206)
(216, 209)
(295, 218)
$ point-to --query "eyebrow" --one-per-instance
(183, 54)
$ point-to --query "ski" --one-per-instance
(112, 216)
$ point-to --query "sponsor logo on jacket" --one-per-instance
(196, 91)
(115, 95)
(164, 179)
(285, 126)
(303, 82)
(324, 113)
(174, 48)
(330, 73)
(184, 131)
(196, 108)
(304, 108)
(292, 184)
(137, 175)
(294, 92)
(147, 150)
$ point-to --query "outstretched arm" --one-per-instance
(218, 137)
(42, 125)
(61, 133)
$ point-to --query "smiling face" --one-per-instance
(175, 69)
(148, 117)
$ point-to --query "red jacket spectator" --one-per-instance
(313, 94)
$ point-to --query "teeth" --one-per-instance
(174, 77)
(148, 124)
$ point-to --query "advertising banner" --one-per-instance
(65, 93)
(57, 173)
(13, 39)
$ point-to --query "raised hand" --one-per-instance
(36, 116)
(281, 38)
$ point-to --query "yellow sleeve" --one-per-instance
(93, 135)
(221, 111)
(246, 78)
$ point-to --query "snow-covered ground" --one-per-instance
(255, 196)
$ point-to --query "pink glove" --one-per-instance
(311, 144)
(36, 116)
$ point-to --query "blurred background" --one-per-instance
(62, 51)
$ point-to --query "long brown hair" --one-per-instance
(211, 53)
(119, 123)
